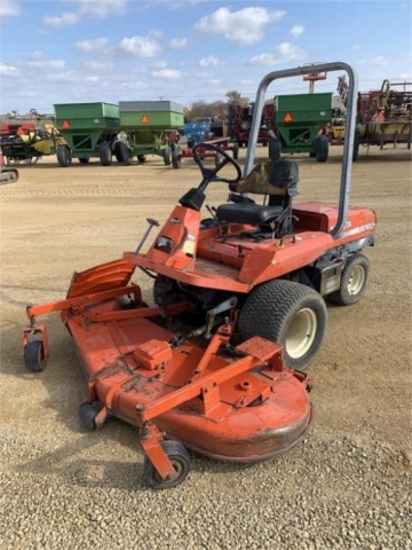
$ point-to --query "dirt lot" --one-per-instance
(60, 483)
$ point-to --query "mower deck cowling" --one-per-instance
(233, 403)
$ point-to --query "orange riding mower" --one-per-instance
(217, 364)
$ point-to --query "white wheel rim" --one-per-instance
(301, 333)
(356, 280)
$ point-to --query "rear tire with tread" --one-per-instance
(124, 154)
(105, 154)
(322, 148)
(176, 160)
(167, 155)
(289, 314)
(64, 157)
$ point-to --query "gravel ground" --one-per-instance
(347, 486)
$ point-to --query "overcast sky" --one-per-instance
(69, 51)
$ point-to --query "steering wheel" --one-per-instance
(210, 174)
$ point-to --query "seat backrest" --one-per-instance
(284, 175)
(274, 178)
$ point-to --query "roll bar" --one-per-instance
(349, 135)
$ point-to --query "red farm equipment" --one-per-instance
(240, 123)
(7, 175)
(383, 116)
(216, 364)
(177, 153)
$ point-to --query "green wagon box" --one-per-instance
(150, 114)
(300, 123)
(306, 108)
(86, 116)
(89, 129)
(149, 126)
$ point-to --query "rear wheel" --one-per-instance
(288, 313)
(64, 157)
(124, 156)
(180, 459)
(354, 281)
(105, 154)
(322, 148)
(167, 155)
(274, 149)
(176, 160)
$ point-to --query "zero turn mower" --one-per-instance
(216, 365)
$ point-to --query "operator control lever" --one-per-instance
(152, 223)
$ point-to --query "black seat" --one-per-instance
(248, 213)
(276, 179)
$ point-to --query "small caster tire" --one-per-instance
(180, 459)
(34, 356)
(88, 413)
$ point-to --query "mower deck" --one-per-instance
(257, 413)
(231, 403)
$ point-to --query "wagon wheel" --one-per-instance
(180, 459)
(63, 156)
(105, 154)
(322, 148)
(176, 158)
(167, 155)
(289, 314)
(124, 154)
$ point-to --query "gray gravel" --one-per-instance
(332, 492)
(347, 487)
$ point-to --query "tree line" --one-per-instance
(215, 110)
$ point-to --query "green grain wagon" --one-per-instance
(300, 125)
(90, 130)
(151, 127)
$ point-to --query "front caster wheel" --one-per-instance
(180, 459)
(35, 359)
(88, 413)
